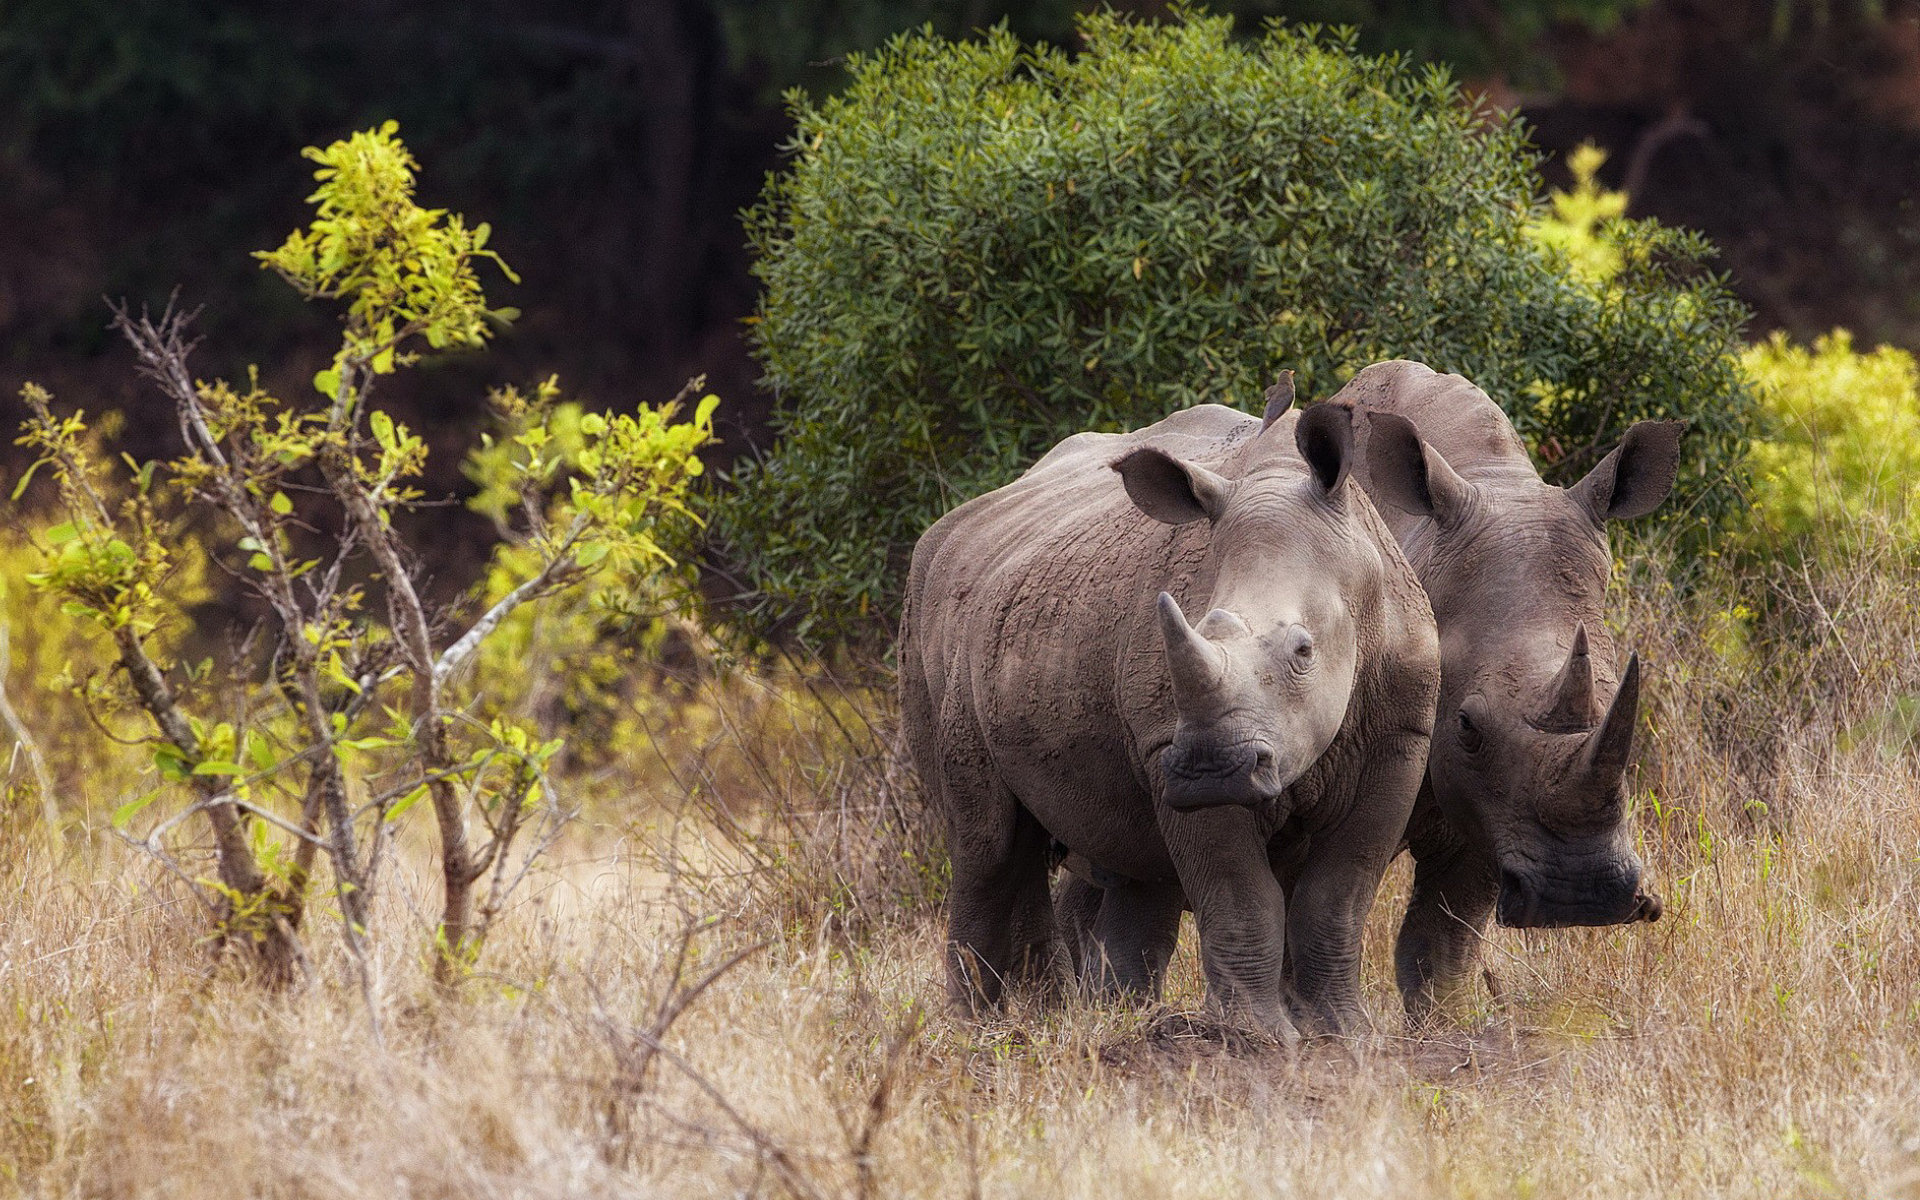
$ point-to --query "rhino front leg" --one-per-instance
(1454, 891)
(1241, 914)
(1334, 891)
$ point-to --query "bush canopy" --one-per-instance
(980, 247)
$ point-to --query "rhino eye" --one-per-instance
(1300, 646)
(1471, 739)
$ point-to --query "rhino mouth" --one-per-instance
(1242, 773)
(1608, 900)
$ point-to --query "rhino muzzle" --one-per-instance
(1204, 777)
(1528, 901)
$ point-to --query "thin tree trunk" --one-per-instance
(269, 931)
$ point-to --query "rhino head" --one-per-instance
(1534, 728)
(1261, 680)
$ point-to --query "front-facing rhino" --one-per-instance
(1185, 674)
(1523, 817)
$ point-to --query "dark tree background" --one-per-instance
(148, 144)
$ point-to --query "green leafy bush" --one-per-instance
(980, 247)
(1837, 450)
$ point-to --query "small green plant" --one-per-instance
(980, 247)
(356, 707)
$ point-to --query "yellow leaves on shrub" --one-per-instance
(404, 271)
(1839, 446)
(1573, 226)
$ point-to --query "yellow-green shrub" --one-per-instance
(1573, 224)
(1837, 454)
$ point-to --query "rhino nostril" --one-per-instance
(1262, 759)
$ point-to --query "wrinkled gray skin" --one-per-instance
(1523, 814)
(1260, 762)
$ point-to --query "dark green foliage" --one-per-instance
(979, 248)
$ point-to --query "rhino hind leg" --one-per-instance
(1133, 936)
(1454, 891)
(1000, 929)
(1076, 906)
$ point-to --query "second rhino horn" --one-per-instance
(1570, 696)
(1612, 744)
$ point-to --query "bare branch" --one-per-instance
(561, 561)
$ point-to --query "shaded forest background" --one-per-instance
(146, 145)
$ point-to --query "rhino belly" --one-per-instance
(1082, 788)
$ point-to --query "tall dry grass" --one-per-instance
(727, 982)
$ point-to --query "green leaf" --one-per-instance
(260, 562)
(171, 762)
(128, 811)
(406, 802)
(382, 426)
(25, 479)
(327, 383)
(259, 753)
(213, 767)
(62, 533)
(280, 504)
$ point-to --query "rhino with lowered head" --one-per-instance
(1213, 683)
(1523, 815)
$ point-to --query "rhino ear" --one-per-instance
(1636, 476)
(1169, 490)
(1279, 400)
(1407, 473)
(1325, 439)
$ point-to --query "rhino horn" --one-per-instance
(1571, 693)
(1195, 664)
(1609, 747)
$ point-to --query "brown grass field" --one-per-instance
(1762, 1040)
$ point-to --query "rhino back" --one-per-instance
(1203, 433)
(1453, 416)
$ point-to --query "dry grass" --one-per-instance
(1762, 1040)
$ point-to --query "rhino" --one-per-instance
(1522, 816)
(1212, 683)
